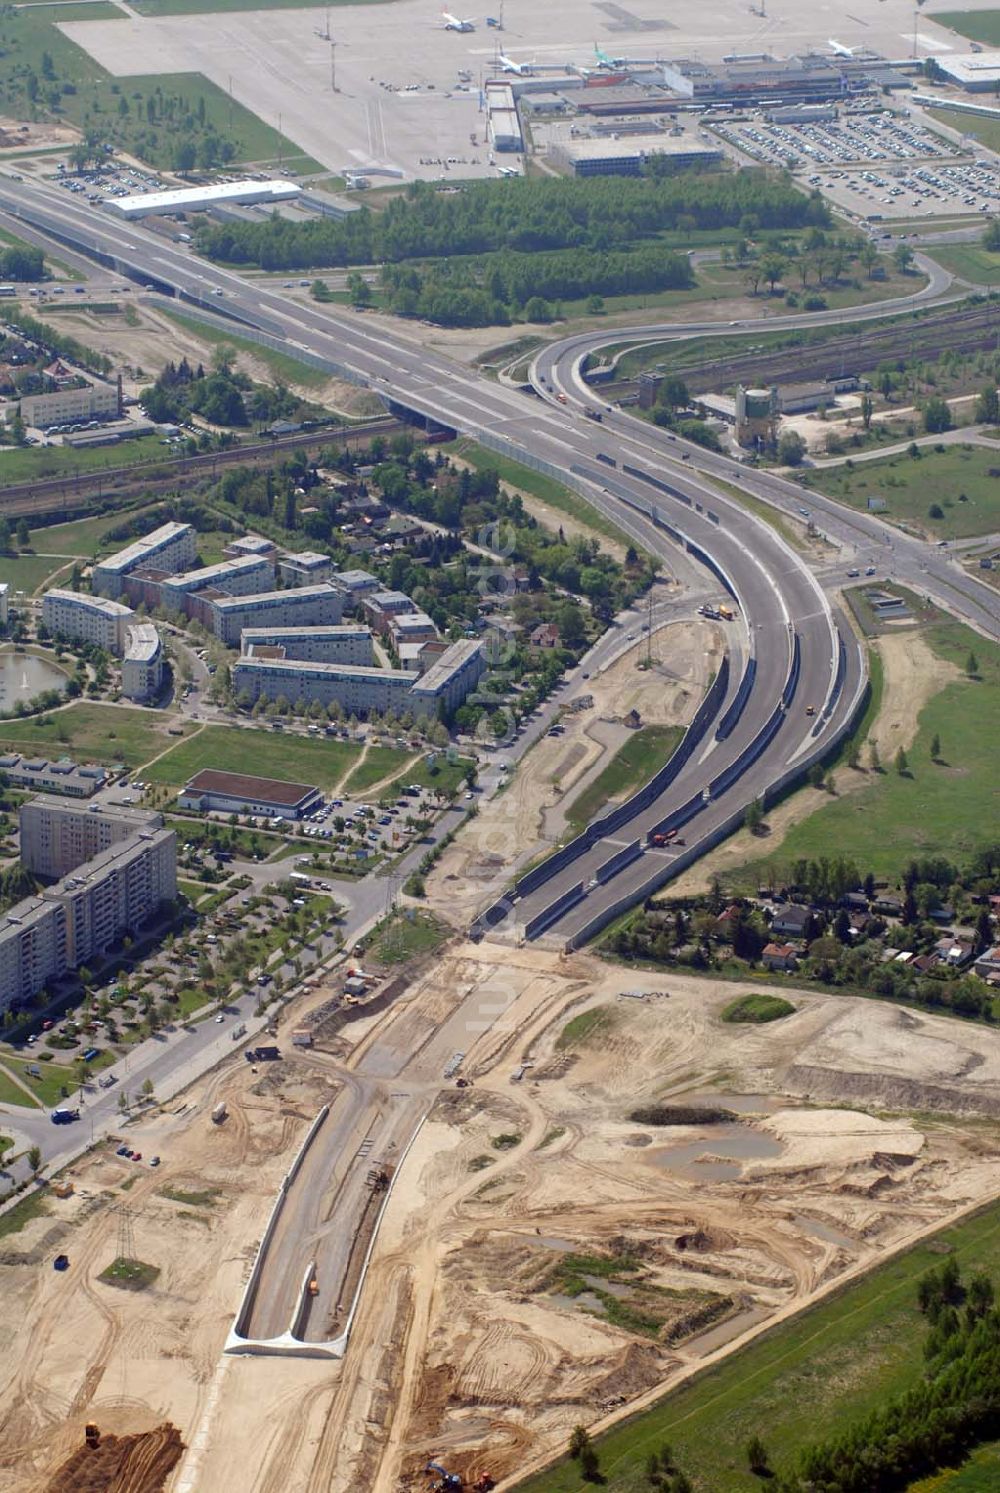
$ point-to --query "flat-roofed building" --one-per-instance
(43, 776)
(358, 691)
(142, 662)
(4, 600)
(65, 405)
(628, 156)
(250, 544)
(87, 619)
(32, 949)
(449, 681)
(58, 837)
(301, 606)
(412, 627)
(379, 606)
(354, 585)
(170, 548)
(305, 569)
(343, 643)
(241, 793)
(245, 576)
(198, 199)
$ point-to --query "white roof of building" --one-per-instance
(977, 69)
(307, 559)
(143, 643)
(196, 579)
(323, 630)
(313, 666)
(262, 598)
(453, 659)
(193, 198)
(635, 145)
(92, 603)
(137, 551)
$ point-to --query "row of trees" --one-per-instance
(221, 396)
(501, 287)
(524, 216)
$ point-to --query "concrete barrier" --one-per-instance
(735, 710)
(548, 915)
(618, 862)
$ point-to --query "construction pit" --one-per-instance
(544, 1258)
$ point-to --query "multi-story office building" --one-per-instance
(341, 644)
(357, 691)
(449, 681)
(170, 548)
(142, 662)
(57, 837)
(41, 410)
(88, 619)
(305, 569)
(87, 912)
(305, 606)
(241, 577)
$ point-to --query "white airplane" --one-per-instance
(839, 49)
(522, 69)
(454, 23)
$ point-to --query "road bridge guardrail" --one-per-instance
(549, 915)
(736, 707)
(618, 862)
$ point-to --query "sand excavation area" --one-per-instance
(559, 1243)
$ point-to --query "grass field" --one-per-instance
(979, 126)
(631, 766)
(88, 732)
(48, 1088)
(232, 749)
(946, 808)
(957, 479)
(377, 765)
(757, 1009)
(28, 573)
(83, 536)
(811, 1376)
(968, 261)
(977, 25)
(407, 935)
(30, 463)
(284, 368)
(538, 485)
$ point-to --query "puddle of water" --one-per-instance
(728, 1146)
(548, 1241)
(820, 1230)
(612, 1287)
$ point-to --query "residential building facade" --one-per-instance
(170, 548)
(142, 662)
(304, 606)
(86, 619)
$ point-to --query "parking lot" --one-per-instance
(878, 138)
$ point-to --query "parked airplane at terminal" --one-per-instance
(522, 69)
(455, 23)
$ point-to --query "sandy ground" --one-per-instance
(844, 1146)
(466, 1349)
(912, 675)
(19, 134)
(530, 814)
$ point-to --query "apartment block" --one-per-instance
(250, 544)
(170, 548)
(354, 585)
(343, 643)
(58, 837)
(449, 681)
(142, 663)
(85, 618)
(305, 569)
(304, 606)
(241, 577)
(86, 913)
(358, 691)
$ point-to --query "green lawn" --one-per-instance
(631, 766)
(83, 536)
(980, 1474)
(89, 732)
(48, 1088)
(444, 776)
(284, 368)
(28, 573)
(379, 764)
(960, 480)
(946, 808)
(538, 485)
(31, 463)
(259, 752)
(13, 1221)
(968, 261)
(406, 936)
(757, 1009)
(820, 1372)
(12, 1093)
(977, 25)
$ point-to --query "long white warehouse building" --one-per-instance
(197, 199)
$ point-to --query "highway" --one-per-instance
(808, 672)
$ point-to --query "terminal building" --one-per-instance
(142, 662)
(170, 548)
(239, 793)
(115, 892)
(344, 643)
(302, 606)
(86, 619)
(503, 125)
(751, 79)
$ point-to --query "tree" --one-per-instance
(35, 1159)
(937, 416)
(772, 267)
(988, 406)
(753, 817)
(579, 1439)
(147, 1088)
(867, 410)
(972, 666)
(902, 258)
(757, 1456)
(185, 156)
(901, 764)
(590, 1466)
(935, 748)
(991, 236)
(359, 290)
(791, 449)
(874, 760)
